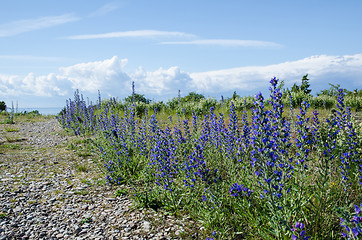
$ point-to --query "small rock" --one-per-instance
(146, 226)
(60, 235)
(83, 232)
(17, 209)
(111, 199)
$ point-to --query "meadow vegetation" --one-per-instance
(289, 166)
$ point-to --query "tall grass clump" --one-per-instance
(262, 174)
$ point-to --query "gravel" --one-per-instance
(44, 196)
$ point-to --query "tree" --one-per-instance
(302, 88)
(193, 97)
(332, 91)
(300, 93)
(295, 88)
(305, 85)
(138, 98)
(235, 96)
(2, 106)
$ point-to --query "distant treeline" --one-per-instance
(199, 104)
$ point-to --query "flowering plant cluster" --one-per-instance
(352, 224)
(249, 176)
(299, 231)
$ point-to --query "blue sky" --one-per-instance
(50, 48)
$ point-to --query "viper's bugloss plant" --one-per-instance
(77, 116)
(272, 166)
(299, 231)
(304, 138)
(237, 190)
(352, 223)
(253, 176)
(342, 143)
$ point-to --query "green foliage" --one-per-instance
(305, 85)
(296, 98)
(9, 129)
(10, 146)
(322, 102)
(242, 103)
(192, 97)
(332, 91)
(141, 107)
(299, 93)
(81, 192)
(31, 113)
(354, 101)
(2, 106)
(355, 93)
(3, 215)
(86, 220)
(82, 167)
(235, 96)
(121, 192)
(137, 98)
(198, 107)
(190, 168)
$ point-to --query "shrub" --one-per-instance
(323, 102)
(2, 106)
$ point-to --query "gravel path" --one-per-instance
(50, 191)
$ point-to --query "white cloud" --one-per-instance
(32, 85)
(104, 75)
(27, 25)
(134, 34)
(8, 84)
(161, 81)
(226, 42)
(107, 76)
(45, 85)
(110, 78)
(107, 8)
(253, 78)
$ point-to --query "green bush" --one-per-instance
(354, 102)
(242, 103)
(2, 106)
(323, 102)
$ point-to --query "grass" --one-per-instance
(100, 181)
(86, 220)
(32, 201)
(6, 147)
(86, 181)
(82, 168)
(84, 154)
(9, 118)
(121, 192)
(12, 139)
(9, 129)
(81, 192)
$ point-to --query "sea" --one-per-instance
(43, 111)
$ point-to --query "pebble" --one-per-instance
(146, 226)
(40, 200)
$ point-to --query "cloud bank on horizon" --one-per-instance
(110, 78)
